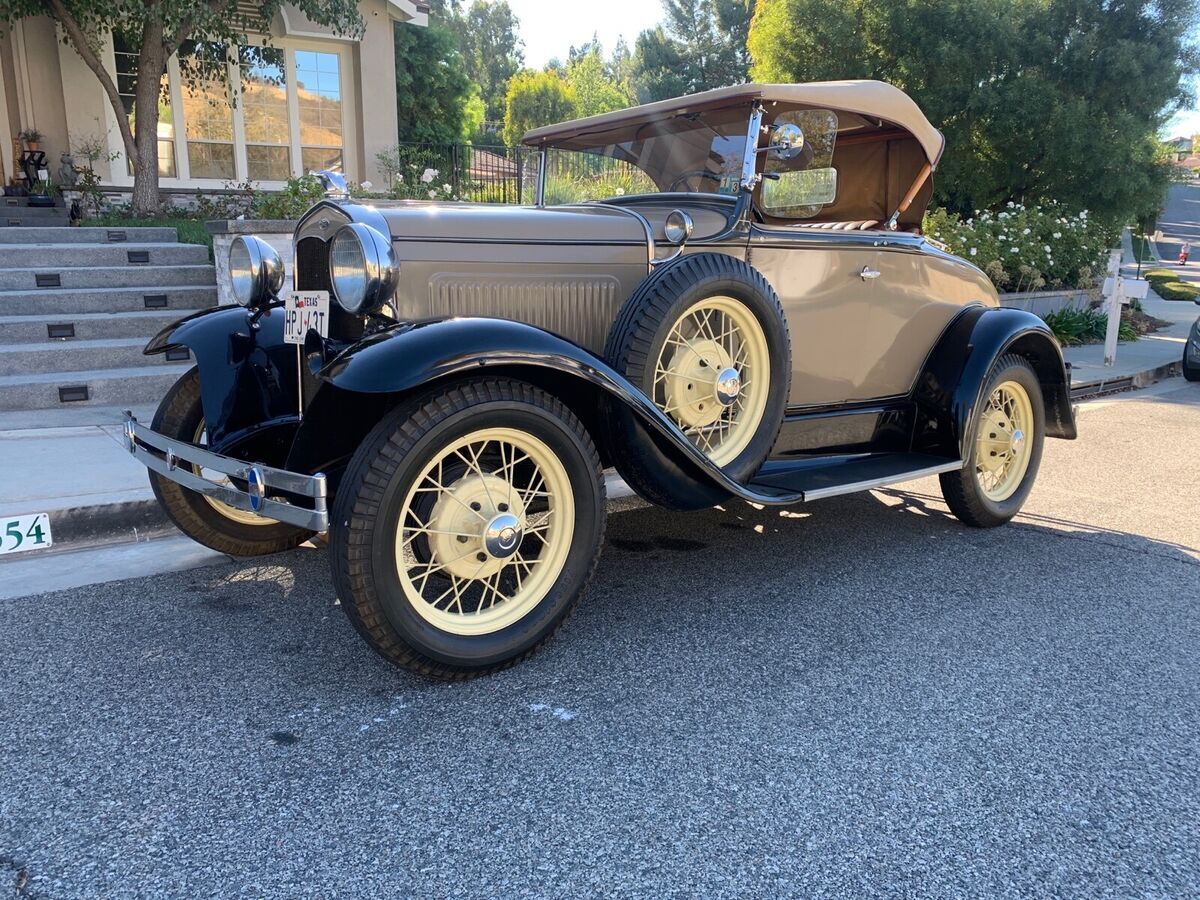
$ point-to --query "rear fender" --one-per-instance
(362, 383)
(951, 384)
(247, 375)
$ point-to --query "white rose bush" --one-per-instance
(1027, 248)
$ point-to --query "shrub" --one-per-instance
(292, 202)
(1175, 290)
(1023, 248)
(1084, 326)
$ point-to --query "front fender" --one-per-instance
(248, 376)
(408, 357)
(952, 382)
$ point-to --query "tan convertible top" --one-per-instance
(870, 99)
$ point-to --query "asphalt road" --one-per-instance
(855, 698)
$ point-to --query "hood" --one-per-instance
(488, 223)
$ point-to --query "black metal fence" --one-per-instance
(498, 174)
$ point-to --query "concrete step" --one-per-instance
(7, 202)
(49, 301)
(88, 235)
(77, 356)
(84, 326)
(50, 277)
(78, 255)
(21, 217)
(105, 387)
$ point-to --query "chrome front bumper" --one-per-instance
(175, 460)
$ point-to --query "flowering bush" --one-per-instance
(1027, 248)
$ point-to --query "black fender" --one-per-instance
(951, 383)
(413, 357)
(248, 376)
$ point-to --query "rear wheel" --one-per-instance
(1010, 426)
(205, 520)
(467, 527)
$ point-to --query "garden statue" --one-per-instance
(67, 173)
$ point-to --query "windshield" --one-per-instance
(698, 152)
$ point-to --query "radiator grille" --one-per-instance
(580, 308)
(312, 274)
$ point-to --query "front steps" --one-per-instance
(15, 212)
(77, 305)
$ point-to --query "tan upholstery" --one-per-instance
(863, 225)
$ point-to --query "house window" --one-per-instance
(265, 111)
(126, 58)
(208, 120)
(319, 97)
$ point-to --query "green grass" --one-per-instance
(190, 231)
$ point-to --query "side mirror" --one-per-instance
(787, 141)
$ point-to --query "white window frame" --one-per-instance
(348, 78)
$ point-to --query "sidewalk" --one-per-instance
(1139, 363)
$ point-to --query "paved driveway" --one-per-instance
(855, 698)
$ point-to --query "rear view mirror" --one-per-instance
(788, 190)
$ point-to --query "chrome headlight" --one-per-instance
(362, 268)
(678, 227)
(255, 270)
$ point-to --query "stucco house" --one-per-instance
(311, 101)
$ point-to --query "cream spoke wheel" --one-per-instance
(1003, 441)
(484, 531)
(712, 376)
(241, 516)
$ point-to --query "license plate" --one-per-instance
(31, 532)
(305, 311)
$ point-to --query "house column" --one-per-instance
(376, 89)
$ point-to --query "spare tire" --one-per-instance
(705, 338)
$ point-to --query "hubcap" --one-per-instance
(712, 376)
(1001, 446)
(485, 531)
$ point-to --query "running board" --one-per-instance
(792, 481)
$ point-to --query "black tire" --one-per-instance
(181, 416)
(962, 490)
(1191, 371)
(369, 507)
(639, 332)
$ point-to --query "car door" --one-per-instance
(825, 285)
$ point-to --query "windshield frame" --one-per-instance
(748, 177)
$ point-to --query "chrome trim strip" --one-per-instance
(176, 460)
(651, 250)
(750, 154)
(822, 493)
(540, 198)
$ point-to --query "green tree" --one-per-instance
(595, 83)
(534, 99)
(161, 28)
(700, 44)
(1039, 99)
(489, 40)
(433, 92)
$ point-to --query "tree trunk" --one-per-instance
(152, 63)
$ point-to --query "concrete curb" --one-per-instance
(1086, 390)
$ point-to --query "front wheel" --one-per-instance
(205, 520)
(1010, 424)
(467, 527)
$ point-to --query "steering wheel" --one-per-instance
(700, 174)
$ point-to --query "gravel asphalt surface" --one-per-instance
(858, 697)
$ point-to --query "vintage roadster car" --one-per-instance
(760, 319)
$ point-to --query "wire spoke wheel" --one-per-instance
(241, 516)
(712, 376)
(1002, 443)
(484, 531)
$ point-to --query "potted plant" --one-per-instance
(32, 138)
(43, 193)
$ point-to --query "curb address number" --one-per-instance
(30, 532)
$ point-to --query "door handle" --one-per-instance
(868, 274)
